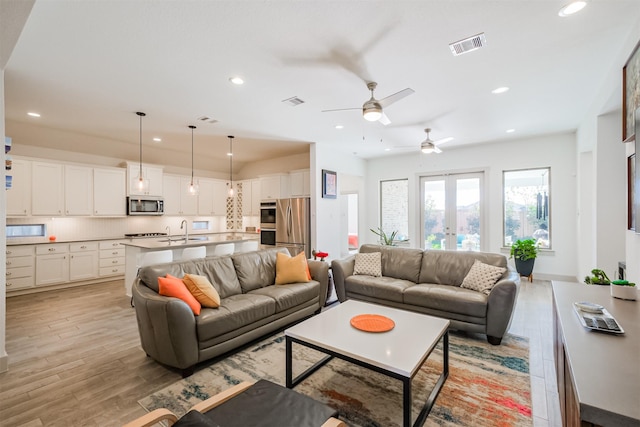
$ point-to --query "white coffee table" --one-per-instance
(398, 353)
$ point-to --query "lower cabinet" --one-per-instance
(20, 264)
(83, 261)
(111, 261)
(52, 264)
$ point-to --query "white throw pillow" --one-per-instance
(369, 264)
(481, 277)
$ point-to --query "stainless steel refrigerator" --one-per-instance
(293, 229)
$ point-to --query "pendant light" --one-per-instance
(142, 183)
(193, 188)
(230, 154)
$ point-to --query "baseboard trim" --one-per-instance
(557, 277)
(4, 362)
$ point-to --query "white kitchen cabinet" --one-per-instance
(112, 258)
(212, 200)
(177, 201)
(19, 195)
(109, 192)
(152, 173)
(78, 190)
(251, 197)
(274, 187)
(299, 183)
(83, 261)
(20, 263)
(52, 264)
(47, 190)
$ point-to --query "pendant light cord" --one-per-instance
(141, 116)
(231, 162)
(192, 128)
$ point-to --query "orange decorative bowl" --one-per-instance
(372, 323)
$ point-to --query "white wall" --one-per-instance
(326, 213)
(4, 363)
(555, 151)
(271, 166)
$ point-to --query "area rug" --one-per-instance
(487, 385)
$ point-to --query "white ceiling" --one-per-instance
(89, 66)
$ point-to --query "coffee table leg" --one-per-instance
(422, 416)
(406, 402)
(288, 368)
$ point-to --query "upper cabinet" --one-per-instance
(299, 183)
(47, 190)
(251, 197)
(19, 195)
(109, 194)
(212, 200)
(150, 172)
(274, 187)
(176, 199)
(78, 190)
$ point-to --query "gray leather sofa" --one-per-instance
(429, 282)
(251, 306)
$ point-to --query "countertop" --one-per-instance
(194, 240)
(605, 367)
(212, 238)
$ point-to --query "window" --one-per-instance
(200, 225)
(394, 207)
(26, 230)
(527, 206)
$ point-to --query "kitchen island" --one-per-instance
(137, 249)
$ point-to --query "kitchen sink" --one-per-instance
(172, 239)
(199, 238)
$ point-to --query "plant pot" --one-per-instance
(624, 292)
(524, 268)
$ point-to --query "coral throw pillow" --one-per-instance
(369, 264)
(202, 289)
(482, 277)
(291, 269)
(170, 286)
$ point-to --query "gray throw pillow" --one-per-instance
(369, 264)
(482, 277)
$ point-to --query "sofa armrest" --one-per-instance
(501, 304)
(167, 327)
(320, 272)
(341, 269)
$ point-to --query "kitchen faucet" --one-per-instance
(186, 229)
(168, 228)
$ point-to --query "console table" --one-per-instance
(598, 373)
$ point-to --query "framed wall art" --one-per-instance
(630, 93)
(329, 184)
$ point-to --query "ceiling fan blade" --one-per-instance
(342, 109)
(384, 119)
(385, 102)
(443, 140)
(437, 150)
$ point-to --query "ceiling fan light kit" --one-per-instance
(143, 183)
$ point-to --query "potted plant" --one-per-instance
(599, 278)
(384, 239)
(524, 253)
(624, 289)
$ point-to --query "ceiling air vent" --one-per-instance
(293, 101)
(206, 119)
(468, 45)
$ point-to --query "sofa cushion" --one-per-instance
(481, 277)
(450, 299)
(291, 295)
(386, 288)
(399, 263)
(369, 264)
(202, 290)
(234, 312)
(256, 269)
(291, 269)
(173, 287)
(451, 267)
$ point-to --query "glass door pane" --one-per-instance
(468, 214)
(433, 212)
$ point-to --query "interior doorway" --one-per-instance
(352, 223)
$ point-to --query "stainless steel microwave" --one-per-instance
(145, 205)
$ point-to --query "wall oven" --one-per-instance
(268, 223)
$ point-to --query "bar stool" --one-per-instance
(247, 246)
(193, 253)
(155, 257)
(223, 249)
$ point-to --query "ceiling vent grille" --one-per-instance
(206, 119)
(468, 45)
(293, 101)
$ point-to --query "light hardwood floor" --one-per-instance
(75, 358)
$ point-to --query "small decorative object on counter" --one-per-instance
(599, 278)
(52, 238)
(624, 289)
(318, 254)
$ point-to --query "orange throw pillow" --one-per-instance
(202, 290)
(291, 270)
(173, 287)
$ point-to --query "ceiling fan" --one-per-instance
(428, 146)
(372, 110)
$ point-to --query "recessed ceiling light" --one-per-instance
(387, 149)
(32, 114)
(572, 7)
(236, 80)
(499, 90)
(156, 139)
(339, 127)
(511, 130)
(229, 154)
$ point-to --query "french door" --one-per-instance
(452, 207)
